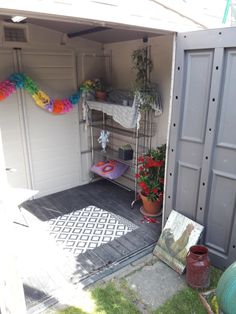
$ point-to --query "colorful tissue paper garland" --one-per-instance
(55, 106)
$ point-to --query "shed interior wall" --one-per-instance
(123, 76)
(66, 162)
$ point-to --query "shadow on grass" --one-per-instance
(112, 300)
(108, 300)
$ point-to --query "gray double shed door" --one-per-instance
(201, 172)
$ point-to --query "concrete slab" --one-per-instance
(154, 284)
(132, 267)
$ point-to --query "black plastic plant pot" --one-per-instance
(125, 154)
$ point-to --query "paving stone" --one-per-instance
(154, 284)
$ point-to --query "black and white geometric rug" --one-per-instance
(88, 228)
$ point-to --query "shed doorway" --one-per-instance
(200, 178)
(54, 155)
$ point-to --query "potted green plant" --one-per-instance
(100, 87)
(150, 178)
(87, 89)
(87, 86)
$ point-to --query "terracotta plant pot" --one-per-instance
(151, 208)
(101, 96)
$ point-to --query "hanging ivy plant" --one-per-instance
(143, 65)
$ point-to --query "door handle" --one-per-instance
(11, 169)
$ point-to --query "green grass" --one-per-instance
(71, 310)
(109, 299)
(187, 301)
(118, 298)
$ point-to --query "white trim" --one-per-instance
(3, 175)
(169, 125)
(125, 13)
(76, 86)
(182, 10)
(24, 127)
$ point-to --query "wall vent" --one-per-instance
(15, 34)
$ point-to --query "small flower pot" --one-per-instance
(101, 96)
(151, 208)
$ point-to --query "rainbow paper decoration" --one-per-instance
(55, 106)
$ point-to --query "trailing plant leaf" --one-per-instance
(143, 65)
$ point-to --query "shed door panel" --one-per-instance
(195, 98)
(53, 139)
(201, 170)
(221, 234)
(11, 124)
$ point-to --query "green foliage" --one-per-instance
(143, 65)
(187, 300)
(215, 277)
(87, 86)
(97, 84)
(100, 85)
(214, 305)
(150, 176)
(110, 300)
(126, 147)
(119, 299)
(71, 310)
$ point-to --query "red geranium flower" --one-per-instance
(155, 190)
(140, 159)
(150, 175)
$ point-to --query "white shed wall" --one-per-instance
(44, 148)
(53, 151)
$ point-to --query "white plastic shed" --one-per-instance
(51, 152)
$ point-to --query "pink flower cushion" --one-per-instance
(111, 169)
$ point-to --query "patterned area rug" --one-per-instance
(88, 228)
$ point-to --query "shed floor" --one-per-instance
(53, 268)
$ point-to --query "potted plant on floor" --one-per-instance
(150, 178)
